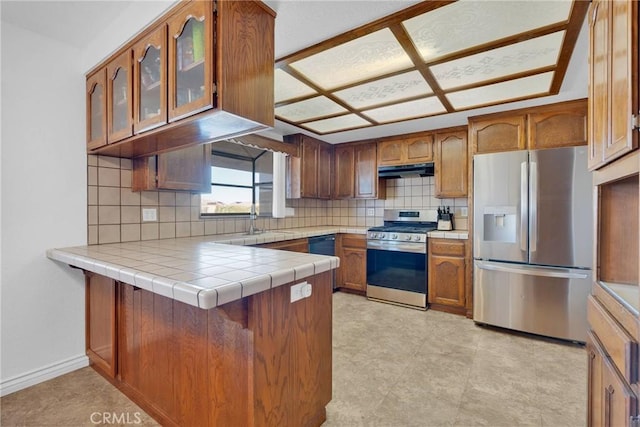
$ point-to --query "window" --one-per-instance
(240, 177)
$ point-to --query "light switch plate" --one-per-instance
(371, 211)
(149, 214)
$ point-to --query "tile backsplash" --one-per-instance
(115, 212)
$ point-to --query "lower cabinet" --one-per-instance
(447, 274)
(295, 245)
(258, 361)
(352, 251)
(612, 354)
(101, 312)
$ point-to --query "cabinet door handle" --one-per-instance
(608, 395)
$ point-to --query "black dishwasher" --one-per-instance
(324, 245)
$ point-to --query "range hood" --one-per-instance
(405, 171)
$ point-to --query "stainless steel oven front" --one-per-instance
(397, 270)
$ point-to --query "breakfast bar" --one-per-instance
(199, 332)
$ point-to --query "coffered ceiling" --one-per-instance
(430, 59)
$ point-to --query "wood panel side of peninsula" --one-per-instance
(258, 361)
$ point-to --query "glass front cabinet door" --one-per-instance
(96, 110)
(191, 60)
(150, 81)
(119, 98)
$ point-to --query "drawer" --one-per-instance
(446, 247)
(618, 344)
(354, 241)
(626, 319)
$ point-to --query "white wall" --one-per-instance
(43, 188)
(43, 204)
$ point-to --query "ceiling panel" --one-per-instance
(509, 60)
(391, 89)
(525, 87)
(430, 59)
(369, 56)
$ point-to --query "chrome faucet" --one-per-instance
(252, 221)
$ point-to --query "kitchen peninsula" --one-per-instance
(199, 332)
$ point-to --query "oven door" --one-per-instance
(401, 266)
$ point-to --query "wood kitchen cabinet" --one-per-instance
(119, 98)
(101, 332)
(309, 174)
(96, 109)
(352, 251)
(356, 172)
(202, 71)
(611, 353)
(451, 166)
(447, 268)
(612, 314)
(187, 169)
(295, 245)
(557, 125)
(258, 361)
(406, 151)
(150, 81)
(614, 108)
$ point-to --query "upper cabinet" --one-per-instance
(309, 173)
(191, 62)
(406, 151)
(549, 126)
(97, 109)
(203, 71)
(613, 80)
(150, 81)
(356, 172)
(119, 98)
(451, 168)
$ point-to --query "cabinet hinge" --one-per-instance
(634, 421)
(635, 121)
(214, 88)
(215, 7)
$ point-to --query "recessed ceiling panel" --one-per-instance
(288, 87)
(465, 24)
(368, 56)
(334, 124)
(407, 110)
(319, 106)
(391, 89)
(509, 60)
(502, 92)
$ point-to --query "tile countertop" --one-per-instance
(453, 234)
(204, 271)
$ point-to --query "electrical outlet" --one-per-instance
(149, 214)
(371, 212)
(300, 291)
(464, 212)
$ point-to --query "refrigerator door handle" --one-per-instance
(524, 214)
(532, 271)
(533, 206)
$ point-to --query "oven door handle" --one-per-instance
(419, 248)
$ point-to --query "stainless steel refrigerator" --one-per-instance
(533, 234)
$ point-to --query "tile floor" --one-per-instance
(393, 367)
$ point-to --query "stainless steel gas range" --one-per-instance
(397, 257)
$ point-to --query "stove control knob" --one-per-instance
(382, 235)
(417, 238)
(408, 237)
(395, 236)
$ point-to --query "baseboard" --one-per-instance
(43, 374)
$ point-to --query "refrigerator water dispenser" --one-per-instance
(500, 224)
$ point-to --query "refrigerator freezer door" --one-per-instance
(501, 206)
(539, 300)
(561, 215)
